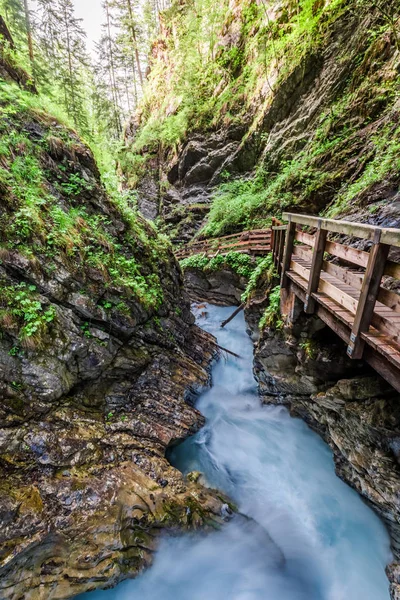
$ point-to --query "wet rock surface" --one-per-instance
(223, 287)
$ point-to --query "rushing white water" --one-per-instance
(310, 537)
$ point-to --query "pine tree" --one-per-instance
(28, 28)
(72, 63)
(130, 37)
(14, 14)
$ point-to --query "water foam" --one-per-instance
(309, 536)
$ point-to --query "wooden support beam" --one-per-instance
(287, 255)
(316, 266)
(369, 294)
(274, 249)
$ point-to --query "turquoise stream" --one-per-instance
(310, 536)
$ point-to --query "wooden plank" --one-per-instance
(303, 252)
(316, 266)
(287, 255)
(389, 299)
(350, 277)
(392, 269)
(298, 268)
(334, 316)
(347, 253)
(368, 297)
(389, 235)
(305, 238)
(338, 295)
(340, 313)
(298, 280)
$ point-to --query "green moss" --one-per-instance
(242, 264)
(272, 314)
(48, 212)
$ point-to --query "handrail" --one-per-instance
(388, 235)
(252, 241)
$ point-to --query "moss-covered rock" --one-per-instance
(99, 359)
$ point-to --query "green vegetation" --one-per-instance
(315, 177)
(264, 272)
(242, 264)
(212, 85)
(272, 314)
(310, 348)
(262, 50)
(37, 223)
(24, 314)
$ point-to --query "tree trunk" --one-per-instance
(134, 41)
(29, 37)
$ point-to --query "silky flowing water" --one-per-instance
(309, 536)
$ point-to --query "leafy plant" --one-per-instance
(242, 264)
(22, 310)
(272, 314)
(264, 269)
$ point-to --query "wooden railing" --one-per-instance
(256, 242)
(343, 284)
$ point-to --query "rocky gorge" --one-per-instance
(100, 361)
(251, 108)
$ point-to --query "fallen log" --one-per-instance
(227, 351)
(233, 315)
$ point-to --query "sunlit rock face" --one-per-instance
(305, 368)
(99, 365)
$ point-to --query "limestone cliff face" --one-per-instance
(99, 364)
(299, 100)
(305, 368)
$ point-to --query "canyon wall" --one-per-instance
(279, 106)
(99, 365)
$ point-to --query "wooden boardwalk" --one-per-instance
(341, 284)
(256, 242)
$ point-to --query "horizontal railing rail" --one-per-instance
(388, 235)
(256, 241)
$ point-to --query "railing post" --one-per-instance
(316, 267)
(274, 247)
(273, 223)
(287, 256)
(281, 247)
(369, 293)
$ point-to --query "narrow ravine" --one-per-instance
(306, 535)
